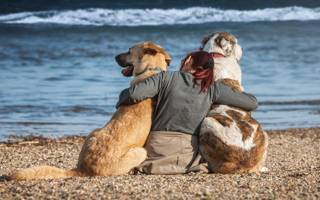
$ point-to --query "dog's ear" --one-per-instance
(205, 40)
(228, 36)
(151, 48)
(167, 57)
(150, 51)
(209, 43)
(237, 52)
(219, 42)
(226, 42)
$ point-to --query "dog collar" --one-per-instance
(217, 55)
(156, 69)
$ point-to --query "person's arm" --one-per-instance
(146, 89)
(225, 95)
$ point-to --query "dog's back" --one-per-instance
(232, 141)
(116, 148)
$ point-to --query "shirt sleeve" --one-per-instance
(225, 95)
(148, 88)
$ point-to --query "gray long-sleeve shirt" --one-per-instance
(180, 105)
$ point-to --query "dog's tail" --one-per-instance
(43, 172)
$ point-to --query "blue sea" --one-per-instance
(58, 75)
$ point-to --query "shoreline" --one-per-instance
(21, 139)
(293, 161)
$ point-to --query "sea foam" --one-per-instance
(154, 17)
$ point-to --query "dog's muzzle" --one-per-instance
(122, 62)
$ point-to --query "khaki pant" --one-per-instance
(172, 153)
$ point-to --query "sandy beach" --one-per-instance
(293, 161)
(59, 80)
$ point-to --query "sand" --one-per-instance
(293, 161)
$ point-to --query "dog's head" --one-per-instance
(143, 57)
(226, 44)
(223, 43)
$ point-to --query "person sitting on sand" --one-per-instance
(183, 100)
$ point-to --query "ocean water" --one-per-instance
(58, 75)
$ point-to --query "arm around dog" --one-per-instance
(225, 95)
(146, 89)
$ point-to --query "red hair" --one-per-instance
(202, 64)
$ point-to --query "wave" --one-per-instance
(154, 17)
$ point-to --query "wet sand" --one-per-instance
(293, 161)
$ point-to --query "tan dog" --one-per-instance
(231, 141)
(117, 147)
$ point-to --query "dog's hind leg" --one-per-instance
(134, 157)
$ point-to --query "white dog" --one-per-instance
(231, 141)
(227, 46)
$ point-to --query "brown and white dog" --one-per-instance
(231, 141)
(117, 147)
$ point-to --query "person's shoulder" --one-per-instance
(180, 74)
(169, 74)
(164, 74)
(175, 75)
(218, 84)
